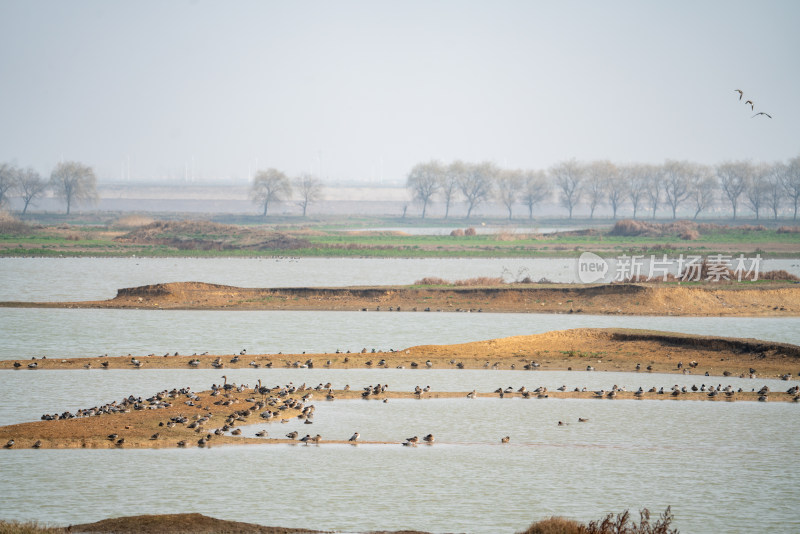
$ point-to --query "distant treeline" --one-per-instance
(639, 189)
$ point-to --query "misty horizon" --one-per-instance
(359, 92)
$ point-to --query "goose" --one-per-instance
(412, 441)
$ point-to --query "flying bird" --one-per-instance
(761, 113)
(752, 106)
(740, 93)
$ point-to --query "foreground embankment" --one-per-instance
(733, 299)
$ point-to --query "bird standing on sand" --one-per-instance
(411, 442)
(429, 439)
(354, 437)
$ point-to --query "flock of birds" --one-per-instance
(271, 404)
(752, 105)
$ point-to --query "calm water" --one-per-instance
(29, 332)
(720, 465)
(72, 279)
(697, 456)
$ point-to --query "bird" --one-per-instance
(740, 93)
(752, 106)
(582, 420)
(505, 439)
(428, 439)
(292, 435)
(354, 437)
(261, 433)
(411, 442)
(37, 444)
(761, 113)
(9, 444)
(306, 438)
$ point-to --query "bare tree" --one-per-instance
(702, 189)
(309, 189)
(654, 186)
(74, 182)
(676, 183)
(616, 185)
(30, 186)
(424, 180)
(476, 184)
(774, 188)
(791, 182)
(8, 181)
(756, 191)
(509, 184)
(598, 177)
(733, 177)
(448, 183)
(269, 186)
(535, 189)
(633, 180)
(568, 177)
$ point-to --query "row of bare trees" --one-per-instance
(273, 186)
(672, 185)
(70, 181)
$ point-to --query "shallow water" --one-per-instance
(29, 332)
(720, 465)
(73, 279)
(696, 456)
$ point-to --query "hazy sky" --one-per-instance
(363, 90)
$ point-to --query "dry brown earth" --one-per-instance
(734, 299)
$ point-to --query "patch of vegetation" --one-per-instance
(611, 524)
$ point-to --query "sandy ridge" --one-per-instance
(767, 299)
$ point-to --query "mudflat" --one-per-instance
(183, 418)
(732, 299)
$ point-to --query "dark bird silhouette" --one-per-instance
(761, 113)
(752, 106)
(740, 93)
